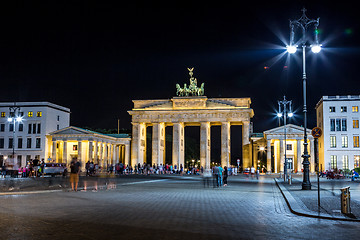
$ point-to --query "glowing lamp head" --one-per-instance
(291, 49)
(316, 48)
(279, 114)
(290, 114)
(262, 148)
(10, 119)
(18, 119)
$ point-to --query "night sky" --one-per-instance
(96, 57)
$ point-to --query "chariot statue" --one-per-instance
(192, 90)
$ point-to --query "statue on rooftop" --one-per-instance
(193, 89)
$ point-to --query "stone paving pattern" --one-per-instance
(164, 208)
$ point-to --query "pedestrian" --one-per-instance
(215, 176)
(42, 167)
(252, 171)
(87, 167)
(74, 174)
(225, 176)
(220, 176)
(257, 174)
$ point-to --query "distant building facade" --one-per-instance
(26, 136)
(338, 117)
(272, 143)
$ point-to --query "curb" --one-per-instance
(295, 208)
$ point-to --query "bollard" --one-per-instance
(345, 200)
(290, 180)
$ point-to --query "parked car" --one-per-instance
(54, 168)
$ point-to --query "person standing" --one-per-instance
(74, 174)
(252, 171)
(220, 180)
(225, 176)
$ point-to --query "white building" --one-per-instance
(34, 120)
(338, 117)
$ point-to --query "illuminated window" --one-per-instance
(355, 108)
(3, 114)
(332, 109)
(74, 147)
(39, 114)
(356, 161)
(356, 141)
(333, 161)
(333, 141)
(344, 141)
(355, 123)
(30, 114)
(345, 160)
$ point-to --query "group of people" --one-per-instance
(218, 174)
(33, 168)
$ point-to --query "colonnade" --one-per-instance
(138, 147)
(100, 152)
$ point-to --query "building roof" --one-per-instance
(34, 104)
(338, 98)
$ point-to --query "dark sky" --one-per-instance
(95, 57)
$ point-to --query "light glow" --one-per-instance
(279, 114)
(316, 48)
(291, 49)
(290, 114)
(10, 119)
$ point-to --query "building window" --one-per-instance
(29, 128)
(343, 109)
(3, 114)
(332, 109)
(1, 143)
(57, 127)
(2, 127)
(356, 123)
(333, 141)
(30, 114)
(11, 127)
(11, 142)
(332, 125)
(356, 141)
(39, 128)
(34, 128)
(39, 114)
(38, 142)
(345, 160)
(28, 142)
(356, 161)
(21, 127)
(333, 162)
(19, 159)
(355, 109)
(338, 124)
(20, 141)
(75, 148)
(343, 124)
(289, 147)
(344, 141)
(58, 118)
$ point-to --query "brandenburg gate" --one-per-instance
(189, 108)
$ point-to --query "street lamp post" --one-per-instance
(284, 112)
(303, 23)
(14, 118)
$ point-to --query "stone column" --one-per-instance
(246, 144)
(138, 143)
(225, 144)
(312, 156)
(178, 154)
(65, 152)
(90, 151)
(127, 154)
(158, 143)
(80, 157)
(53, 157)
(282, 156)
(268, 155)
(298, 155)
(205, 141)
(105, 155)
(96, 147)
(101, 158)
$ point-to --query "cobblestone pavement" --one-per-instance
(164, 208)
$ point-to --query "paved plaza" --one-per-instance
(157, 207)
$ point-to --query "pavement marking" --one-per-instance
(149, 181)
(28, 192)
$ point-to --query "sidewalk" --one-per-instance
(305, 202)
